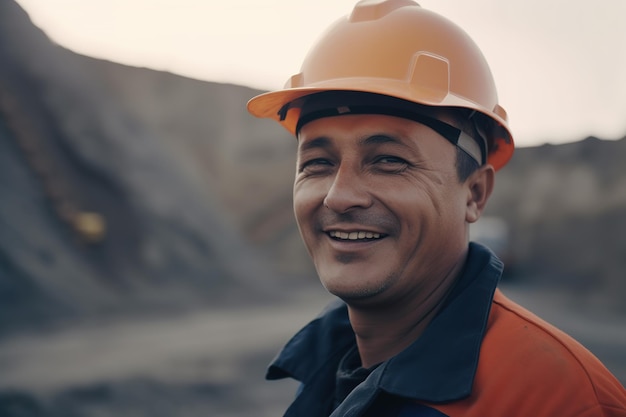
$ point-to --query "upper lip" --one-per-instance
(346, 229)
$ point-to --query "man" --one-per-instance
(399, 136)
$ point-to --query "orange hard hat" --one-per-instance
(398, 49)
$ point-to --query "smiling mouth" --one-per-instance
(360, 235)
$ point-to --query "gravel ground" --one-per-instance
(208, 363)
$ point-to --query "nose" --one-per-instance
(349, 190)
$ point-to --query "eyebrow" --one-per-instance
(318, 142)
(378, 139)
(375, 139)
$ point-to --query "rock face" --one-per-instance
(96, 213)
(566, 207)
(248, 163)
(128, 189)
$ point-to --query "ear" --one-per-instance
(479, 186)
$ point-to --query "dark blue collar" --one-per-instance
(439, 366)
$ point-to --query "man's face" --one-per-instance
(379, 206)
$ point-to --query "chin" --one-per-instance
(355, 293)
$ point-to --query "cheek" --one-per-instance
(417, 200)
(301, 196)
(431, 206)
(306, 200)
(309, 193)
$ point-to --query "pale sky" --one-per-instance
(560, 66)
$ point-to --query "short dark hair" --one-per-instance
(466, 120)
(465, 165)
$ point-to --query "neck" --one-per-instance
(384, 330)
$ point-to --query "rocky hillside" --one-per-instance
(98, 211)
(248, 163)
(566, 208)
(126, 189)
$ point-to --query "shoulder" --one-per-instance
(516, 335)
(525, 360)
(528, 367)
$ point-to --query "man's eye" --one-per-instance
(391, 163)
(314, 165)
(391, 160)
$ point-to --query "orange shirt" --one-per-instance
(519, 352)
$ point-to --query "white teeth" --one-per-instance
(354, 235)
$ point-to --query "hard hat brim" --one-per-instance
(271, 105)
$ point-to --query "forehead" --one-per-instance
(358, 129)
